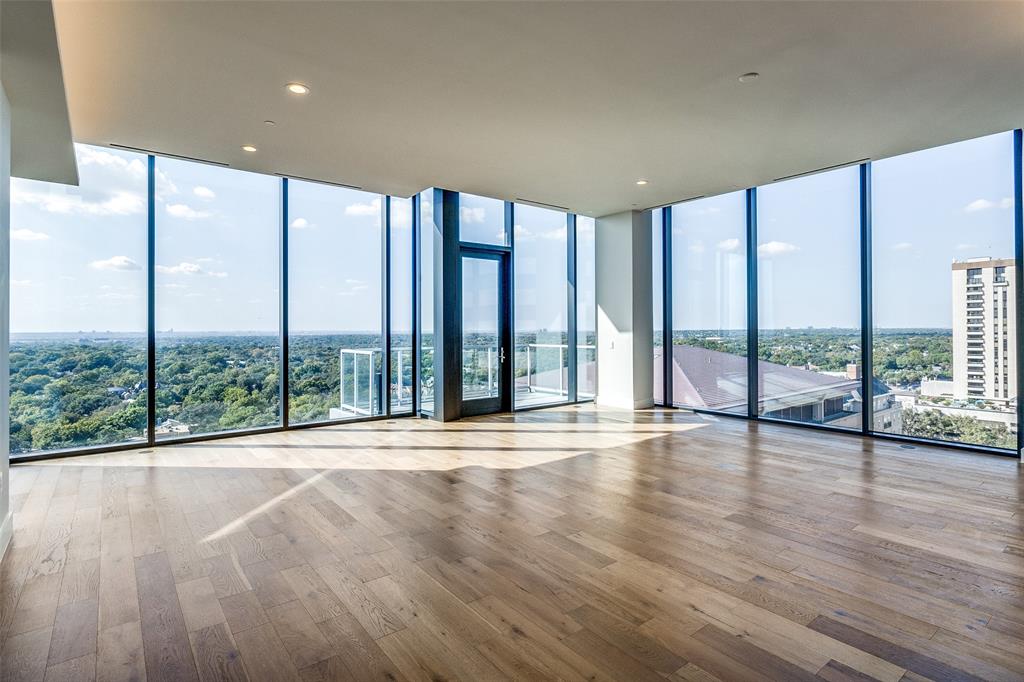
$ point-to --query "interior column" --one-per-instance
(625, 313)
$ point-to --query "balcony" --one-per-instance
(362, 381)
(544, 377)
(546, 372)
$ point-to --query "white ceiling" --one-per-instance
(30, 68)
(562, 103)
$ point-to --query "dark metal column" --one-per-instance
(866, 310)
(283, 389)
(572, 340)
(417, 304)
(668, 360)
(151, 300)
(1018, 274)
(752, 324)
(447, 307)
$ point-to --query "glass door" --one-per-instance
(485, 343)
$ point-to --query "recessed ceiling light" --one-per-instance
(749, 77)
(641, 182)
(298, 88)
(268, 122)
(248, 148)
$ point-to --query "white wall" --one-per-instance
(7, 517)
(625, 368)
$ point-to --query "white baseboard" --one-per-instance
(623, 405)
(6, 531)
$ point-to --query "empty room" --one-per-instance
(496, 340)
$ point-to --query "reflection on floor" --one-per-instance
(567, 543)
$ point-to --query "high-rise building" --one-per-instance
(984, 329)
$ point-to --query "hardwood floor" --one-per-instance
(558, 544)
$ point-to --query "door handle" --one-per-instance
(501, 354)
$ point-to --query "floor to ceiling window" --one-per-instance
(709, 309)
(540, 323)
(427, 229)
(658, 284)
(586, 308)
(78, 306)
(808, 261)
(401, 390)
(334, 302)
(944, 293)
(217, 319)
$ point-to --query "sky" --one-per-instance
(78, 253)
(930, 207)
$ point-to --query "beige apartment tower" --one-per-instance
(984, 330)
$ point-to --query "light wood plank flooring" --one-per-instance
(559, 544)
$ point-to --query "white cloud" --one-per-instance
(119, 203)
(902, 246)
(769, 249)
(985, 204)
(93, 156)
(186, 212)
(731, 245)
(165, 187)
(521, 233)
(979, 205)
(300, 224)
(355, 281)
(188, 269)
(696, 247)
(474, 214)
(370, 209)
(123, 263)
(965, 247)
(400, 219)
(557, 234)
(21, 282)
(117, 296)
(170, 285)
(710, 210)
(204, 192)
(24, 235)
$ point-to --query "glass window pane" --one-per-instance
(709, 309)
(586, 309)
(944, 304)
(335, 341)
(428, 232)
(480, 360)
(808, 260)
(482, 220)
(658, 284)
(217, 320)
(400, 393)
(541, 302)
(78, 306)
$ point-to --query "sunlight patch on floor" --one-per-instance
(434, 447)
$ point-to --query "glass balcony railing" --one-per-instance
(362, 382)
(544, 376)
(545, 371)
